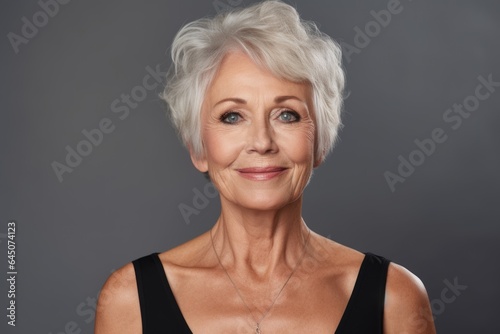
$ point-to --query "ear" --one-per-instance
(200, 162)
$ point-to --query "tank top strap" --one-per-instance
(365, 310)
(160, 312)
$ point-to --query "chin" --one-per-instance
(265, 201)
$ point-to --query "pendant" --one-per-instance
(257, 329)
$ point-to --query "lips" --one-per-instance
(261, 173)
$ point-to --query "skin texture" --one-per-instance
(250, 120)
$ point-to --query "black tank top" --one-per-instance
(161, 314)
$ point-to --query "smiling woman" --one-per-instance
(256, 127)
(256, 95)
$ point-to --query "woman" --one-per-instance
(256, 96)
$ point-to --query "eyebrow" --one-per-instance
(231, 99)
(277, 99)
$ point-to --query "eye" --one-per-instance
(230, 117)
(289, 116)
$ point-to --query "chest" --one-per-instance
(216, 306)
(199, 303)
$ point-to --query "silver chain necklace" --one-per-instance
(257, 323)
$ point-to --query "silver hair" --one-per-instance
(272, 34)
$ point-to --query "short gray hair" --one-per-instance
(272, 34)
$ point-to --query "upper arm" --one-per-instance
(118, 310)
(407, 308)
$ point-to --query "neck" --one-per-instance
(260, 243)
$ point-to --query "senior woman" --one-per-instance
(256, 95)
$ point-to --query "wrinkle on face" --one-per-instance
(260, 137)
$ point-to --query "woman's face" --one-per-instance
(258, 135)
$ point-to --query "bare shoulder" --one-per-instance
(339, 257)
(189, 254)
(407, 308)
(118, 309)
(340, 264)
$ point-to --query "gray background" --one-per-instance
(123, 200)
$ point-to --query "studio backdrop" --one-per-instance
(93, 175)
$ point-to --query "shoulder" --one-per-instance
(407, 308)
(338, 264)
(118, 309)
(190, 254)
(337, 258)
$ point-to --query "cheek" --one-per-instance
(299, 144)
(221, 147)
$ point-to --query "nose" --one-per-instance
(261, 137)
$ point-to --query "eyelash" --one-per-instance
(224, 116)
(293, 113)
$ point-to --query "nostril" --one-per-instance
(262, 143)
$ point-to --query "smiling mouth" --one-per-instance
(261, 173)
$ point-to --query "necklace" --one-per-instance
(258, 322)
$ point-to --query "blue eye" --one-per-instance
(230, 117)
(289, 116)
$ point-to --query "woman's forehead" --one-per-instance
(238, 76)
